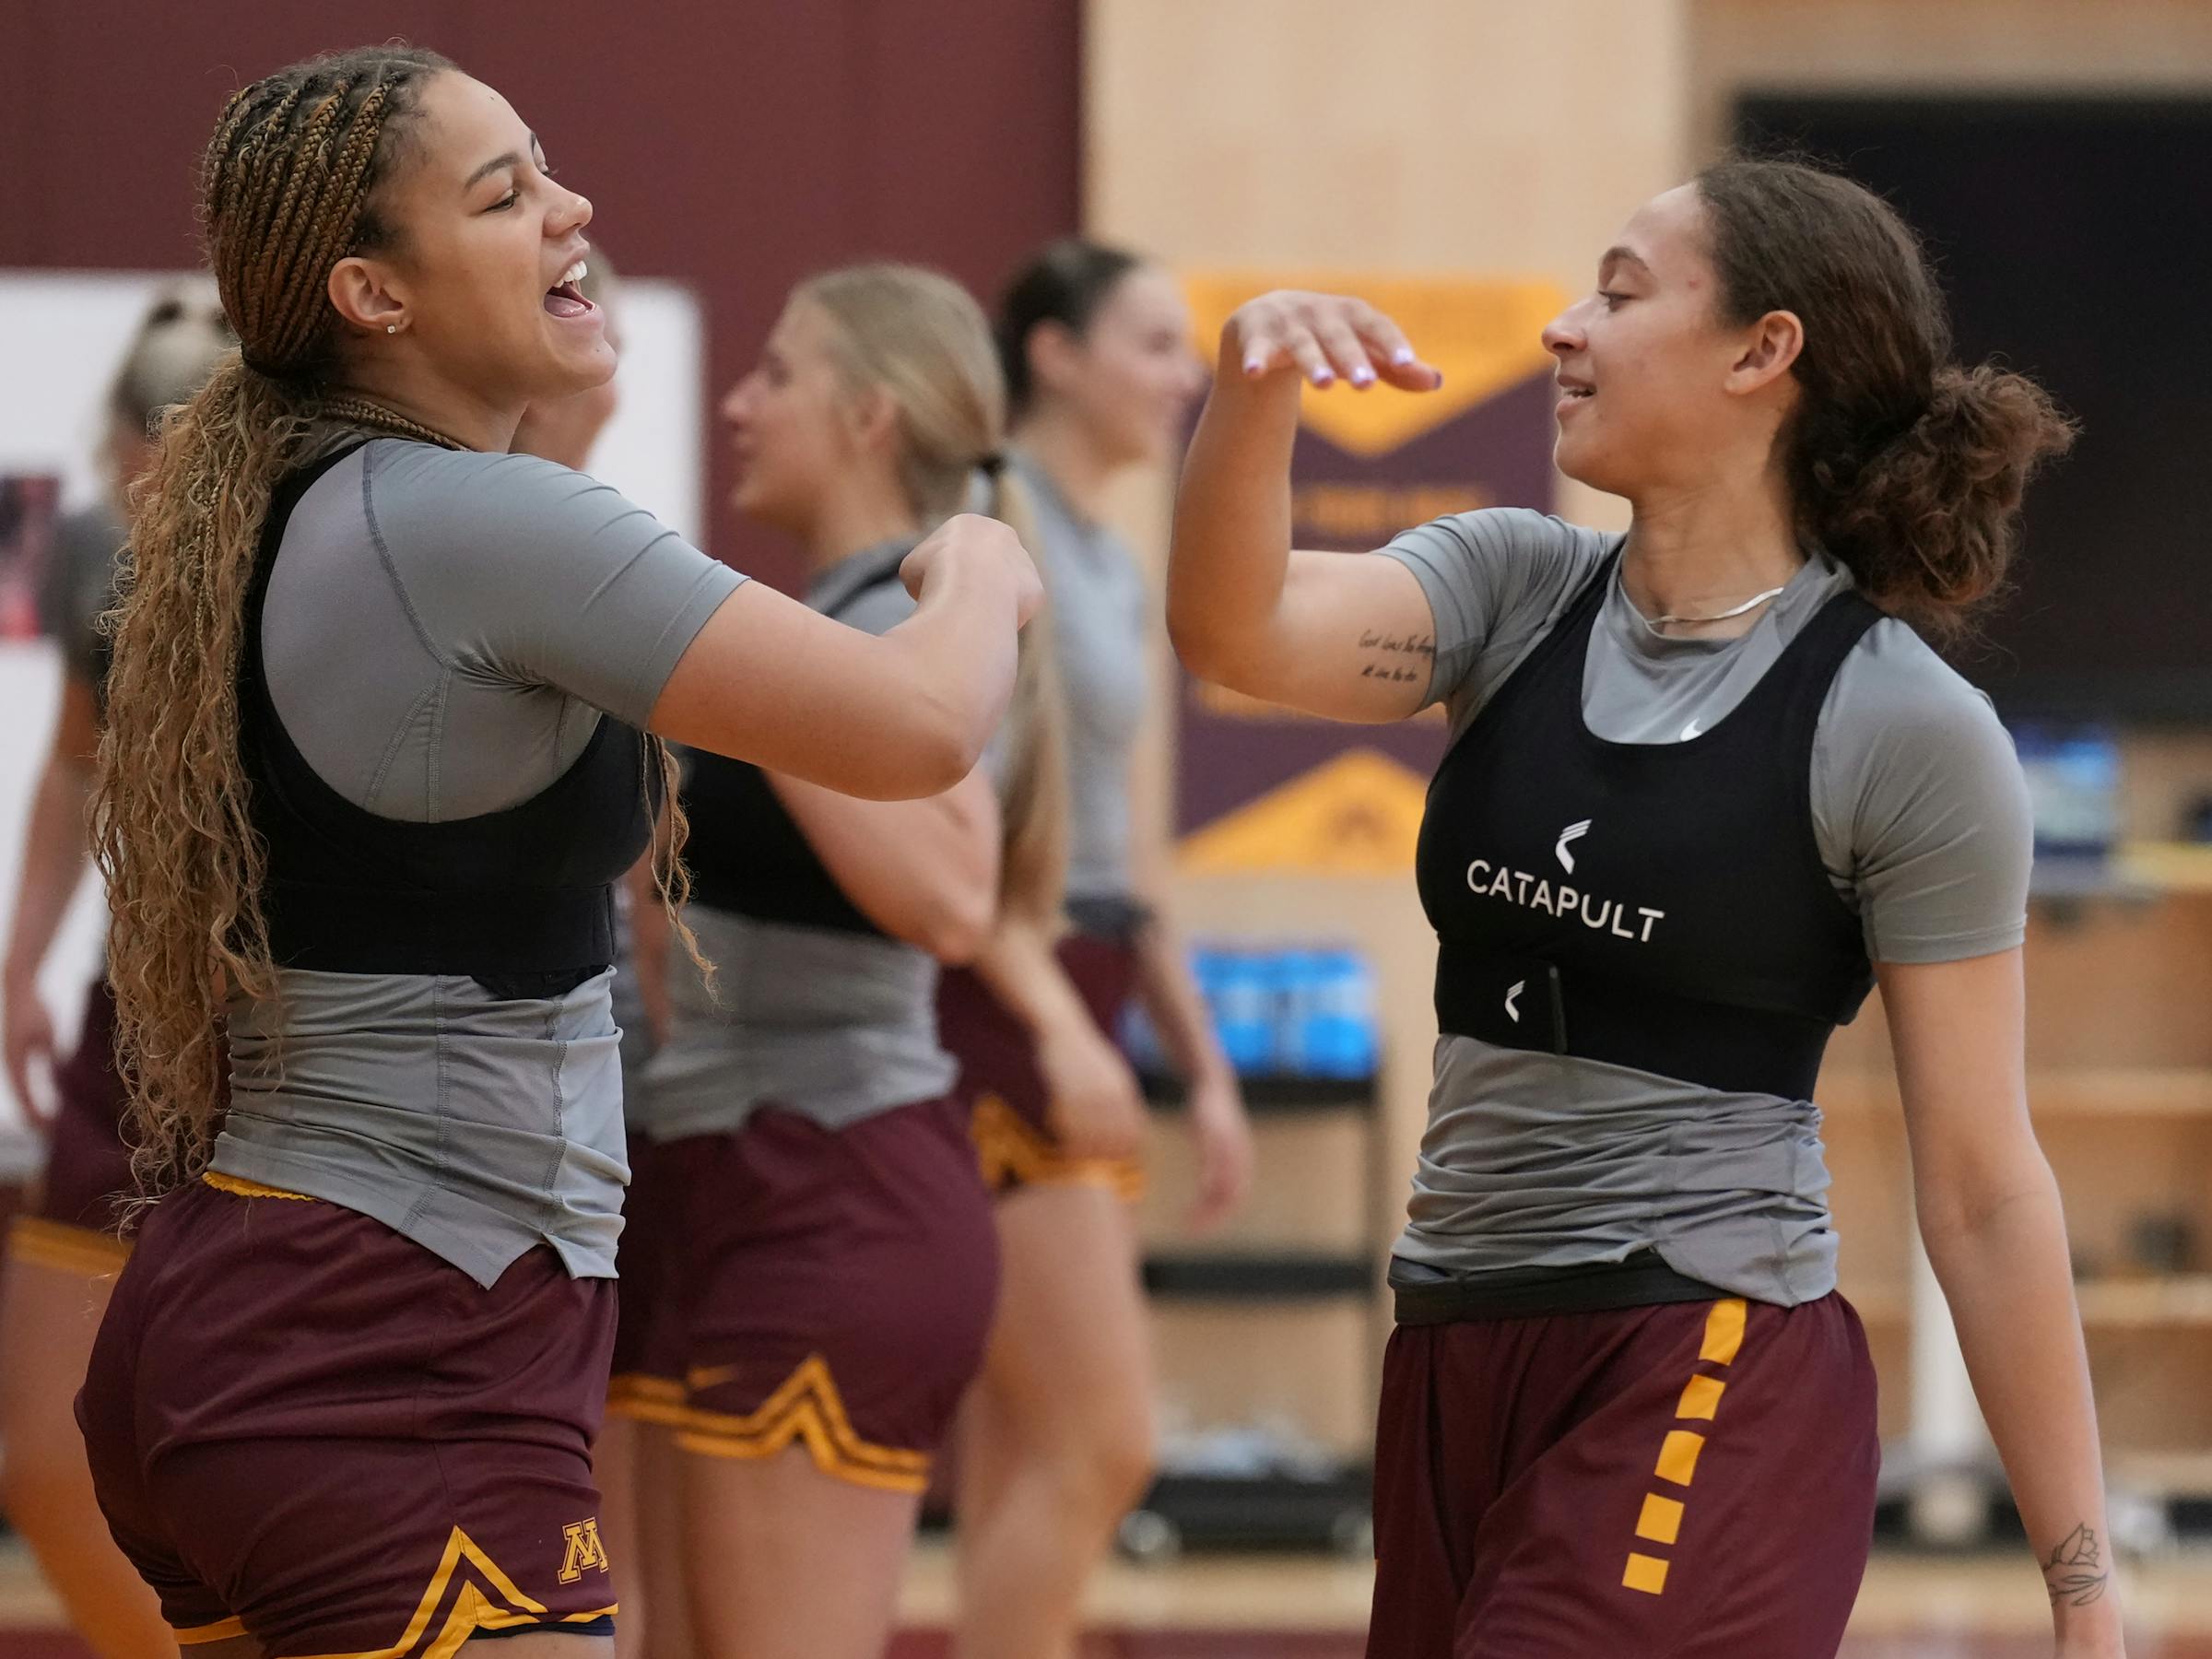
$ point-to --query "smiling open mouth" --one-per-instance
(564, 299)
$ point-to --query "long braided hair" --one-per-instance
(288, 187)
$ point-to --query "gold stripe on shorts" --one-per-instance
(644, 1398)
(239, 1187)
(1660, 1520)
(486, 1599)
(85, 1251)
(805, 1410)
(223, 1630)
(1012, 1154)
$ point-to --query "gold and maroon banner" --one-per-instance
(1261, 788)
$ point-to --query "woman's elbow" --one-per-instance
(945, 757)
(957, 928)
(912, 761)
(1199, 643)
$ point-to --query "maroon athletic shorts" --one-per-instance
(648, 1381)
(307, 1429)
(1001, 1088)
(73, 1224)
(1694, 1480)
(839, 1286)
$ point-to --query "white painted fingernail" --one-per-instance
(1363, 376)
(1253, 365)
(1403, 357)
(1322, 377)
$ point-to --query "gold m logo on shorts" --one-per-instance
(583, 1549)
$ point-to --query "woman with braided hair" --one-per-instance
(375, 756)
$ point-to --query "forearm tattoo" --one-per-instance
(2076, 1574)
(1401, 659)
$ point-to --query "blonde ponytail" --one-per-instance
(919, 337)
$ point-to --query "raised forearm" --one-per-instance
(1231, 550)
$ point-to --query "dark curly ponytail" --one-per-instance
(1906, 467)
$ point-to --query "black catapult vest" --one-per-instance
(1658, 906)
(521, 899)
(746, 853)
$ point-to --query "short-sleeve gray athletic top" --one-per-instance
(835, 1026)
(1098, 608)
(443, 632)
(78, 587)
(1542, 1160)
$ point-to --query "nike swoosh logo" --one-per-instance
(1513, 996)
(1692, 730)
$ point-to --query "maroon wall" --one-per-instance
(734, 146)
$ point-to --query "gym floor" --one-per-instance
(1914, 1606)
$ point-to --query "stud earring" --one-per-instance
(390, 328)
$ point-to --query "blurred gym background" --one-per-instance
(1469, 157)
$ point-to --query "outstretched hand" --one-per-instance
(1325, 338)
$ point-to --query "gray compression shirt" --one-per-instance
(1099, 607)
(443, 632)
(78, 587)
(1540, 1160)
(835, 1026)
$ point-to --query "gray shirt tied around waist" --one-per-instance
(1099, 609)
(838, 1026)
(443, 632)
(1534, 1159)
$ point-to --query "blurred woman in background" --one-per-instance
(834, 1268)
(63, 1256)
(629, 1460)
(1056, 1440)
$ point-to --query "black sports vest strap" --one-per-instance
(521, 898)
(1737, 1049)
(748, 855)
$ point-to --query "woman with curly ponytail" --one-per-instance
(1708, 786)
(377, 751)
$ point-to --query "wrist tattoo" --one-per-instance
(2076, 1575)
(1398, 658)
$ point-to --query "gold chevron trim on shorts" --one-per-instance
(81, 1250)
(644, 1398)
(1011, 1154)
(239, 1186)
(806, 1409)
(472, 1609)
